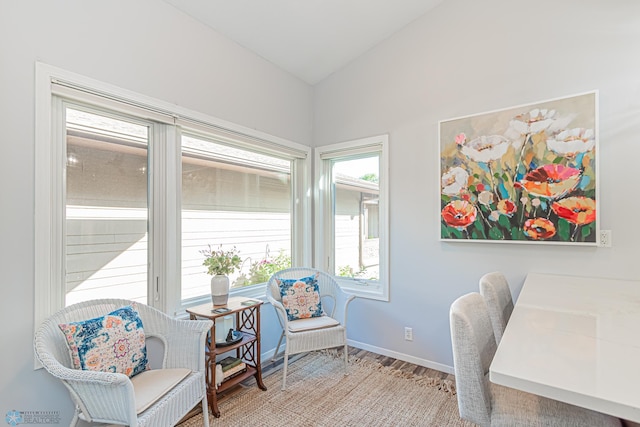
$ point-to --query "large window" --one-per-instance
(130, 190)
(233, 198)
(106, 230)
(351, 224)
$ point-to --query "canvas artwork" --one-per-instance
(521, 174)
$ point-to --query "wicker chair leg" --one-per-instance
(284, 370)
(346, 359)
(275, 353)
(75, 419)
(205, 411)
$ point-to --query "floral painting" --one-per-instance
(522, 174)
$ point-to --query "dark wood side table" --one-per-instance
(247, 320)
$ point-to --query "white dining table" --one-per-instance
(576, 340)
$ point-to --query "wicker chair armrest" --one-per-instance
(280, 311)
(111, 400)
(103, 395)
(341, 305)
(185, 343)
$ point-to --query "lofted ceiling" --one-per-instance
(310, 39)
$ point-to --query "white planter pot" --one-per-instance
(220, 289)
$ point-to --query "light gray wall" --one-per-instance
(468, 57)
(145, 46)
(464, 57)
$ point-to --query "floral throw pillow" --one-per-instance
(112, 343)
(301, 297)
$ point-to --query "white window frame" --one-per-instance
(324, 214)
(164, 280)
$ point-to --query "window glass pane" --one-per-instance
(106, 208)
(356, 217)
(234, 198)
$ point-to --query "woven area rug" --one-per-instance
(319, 395)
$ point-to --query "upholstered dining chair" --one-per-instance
(325, 328)
(488, 404)
(158, 397)
(494, 287)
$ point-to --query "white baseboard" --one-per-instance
(401, 356)
(385, 352)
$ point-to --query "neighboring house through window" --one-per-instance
(130, 190)
(351, 225)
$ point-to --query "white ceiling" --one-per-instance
(308, 38)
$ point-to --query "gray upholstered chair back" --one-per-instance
(474, 346)
(495, 290)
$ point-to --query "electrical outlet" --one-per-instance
(605, 239)
(408, 333)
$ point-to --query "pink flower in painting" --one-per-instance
(461, 138)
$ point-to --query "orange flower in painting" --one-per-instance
(551, 181)
(539, 228)
(459, 214)
(578, 210)
(507, 207)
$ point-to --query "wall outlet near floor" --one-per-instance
(605, 239)
(408, 333)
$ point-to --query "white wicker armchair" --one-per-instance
(316, 333)
(111, 397)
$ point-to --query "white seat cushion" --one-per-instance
(149, 386)
(312, 323)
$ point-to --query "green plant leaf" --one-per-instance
(496, 234)
(564, 230)
(517, 234)
(586, 231)
(503, 220)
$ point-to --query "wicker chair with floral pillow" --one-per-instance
(312, 311)
(98, 349)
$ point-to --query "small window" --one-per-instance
(352, 214)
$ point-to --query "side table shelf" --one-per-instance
(247, 320)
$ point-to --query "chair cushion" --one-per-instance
(301, 297)
(312, 323)
(151, 385)
(111, 343)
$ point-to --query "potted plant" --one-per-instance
(220, 264)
